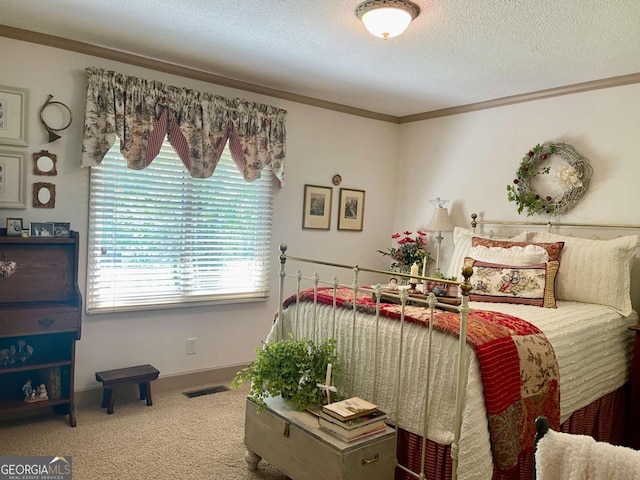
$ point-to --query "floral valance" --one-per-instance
(141, 113)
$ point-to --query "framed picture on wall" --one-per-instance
(13, 185)
(317, 207)
(351, 212)
(13, 116)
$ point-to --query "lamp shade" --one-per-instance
(387, 18)
(440, 221)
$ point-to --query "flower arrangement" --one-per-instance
(573, 177)
(408, 251)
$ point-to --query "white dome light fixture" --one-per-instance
(387, 18)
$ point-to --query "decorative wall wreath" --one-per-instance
(573, 176)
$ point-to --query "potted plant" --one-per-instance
(291, 368)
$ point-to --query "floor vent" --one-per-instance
(206, 391)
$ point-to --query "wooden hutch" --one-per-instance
(40, 318)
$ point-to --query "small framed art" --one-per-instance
(41, 229)
(13, 185)
(13, 116)
(351, 213)
(317, 207)
(61, 229)
(14, 227)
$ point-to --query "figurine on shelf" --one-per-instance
(24, 351)
(8, 356)
(393, 284)
(42, 392)
(27, 389)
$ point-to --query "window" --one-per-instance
(158, 237)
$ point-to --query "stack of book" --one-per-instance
(352, 419)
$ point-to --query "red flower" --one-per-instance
(525, 169)
(548, 198)
(420, 232)
(407, 232)
(530, 153)
(516, 181)
(395, 235)
(543, 156)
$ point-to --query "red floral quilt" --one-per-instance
(518, 367)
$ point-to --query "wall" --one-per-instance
(470, 158)
(320, 144)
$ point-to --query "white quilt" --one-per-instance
(592, 344)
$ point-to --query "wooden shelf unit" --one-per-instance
(41, 304)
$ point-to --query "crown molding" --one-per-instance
(527, 97)
(166, 67)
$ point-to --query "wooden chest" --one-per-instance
(294, 443)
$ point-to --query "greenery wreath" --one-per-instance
(573, 175)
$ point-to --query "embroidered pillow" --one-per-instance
(553, 248)
(528, 255)
(524, 284)
(595, 271)
(462, 249)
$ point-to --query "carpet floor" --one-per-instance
(176, 438)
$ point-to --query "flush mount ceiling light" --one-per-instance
(387, 18)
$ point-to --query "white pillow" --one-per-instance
(594, 271)
(516, 256)
(462, 248)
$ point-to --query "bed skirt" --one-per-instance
(605, 420)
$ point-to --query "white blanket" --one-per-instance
(560, 456)
(591, 342)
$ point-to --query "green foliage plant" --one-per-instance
(291, 368)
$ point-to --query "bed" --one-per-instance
(410, 358)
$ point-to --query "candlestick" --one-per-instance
(414, 273)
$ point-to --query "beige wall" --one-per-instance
(471, 158)
(320, 144)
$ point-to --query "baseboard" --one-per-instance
(214, 376)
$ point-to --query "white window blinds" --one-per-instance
(158, 237)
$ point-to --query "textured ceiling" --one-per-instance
(457, 52)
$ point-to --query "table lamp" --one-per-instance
(439, 223)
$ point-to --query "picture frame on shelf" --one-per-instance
(351, 211)
(14, 227)
(13, 180)
(13, 116)
(317, 207)
(41, 229)
(61, 229)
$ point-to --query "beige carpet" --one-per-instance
(176, 438)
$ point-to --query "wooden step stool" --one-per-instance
(143, 375)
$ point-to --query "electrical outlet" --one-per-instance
(191, 346)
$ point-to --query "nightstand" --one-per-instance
(633, 426)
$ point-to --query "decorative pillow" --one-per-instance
(524, 284)
(595, 271)
(553, 248)
(529, 255)
(462, 248)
